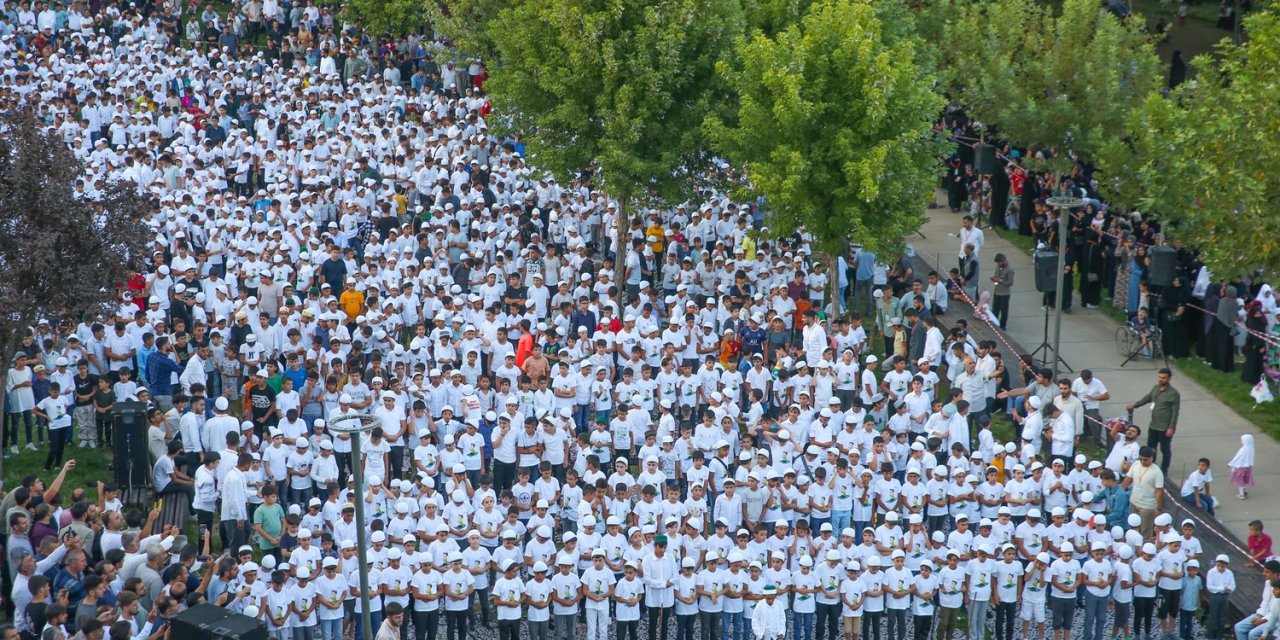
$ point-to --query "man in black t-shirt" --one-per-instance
(262, 403)
(86, 384)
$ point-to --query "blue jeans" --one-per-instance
(1186, 624)
(978, 618)
(732, 625)
(1202, 501)
(840, 520)
(1095, 616)
(803, 626)
(331, 629)
(375, 619)
(815, 524)
(1245, 630)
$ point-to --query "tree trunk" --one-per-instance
(621, 225)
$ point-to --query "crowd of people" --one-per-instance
(1228, 322)
(715, 440)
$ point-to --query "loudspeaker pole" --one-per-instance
(1063, 204)
(355, 425)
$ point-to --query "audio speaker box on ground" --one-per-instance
(211, 622)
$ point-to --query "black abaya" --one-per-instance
(1223, 354)
(1254, 349)
(1221, 348)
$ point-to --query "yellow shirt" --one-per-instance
(657, 232)
(352, 303)
(749, 247)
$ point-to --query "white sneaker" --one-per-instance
(31, 446)
(14, 449)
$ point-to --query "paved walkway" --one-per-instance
(1208, 428)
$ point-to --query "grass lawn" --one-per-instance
(1226, 387)
(92, 466)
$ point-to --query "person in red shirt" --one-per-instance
(1259, 544)
(524, 346)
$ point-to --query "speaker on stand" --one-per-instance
(132, 461)
(1164, 266)
(1046, 276)
(984, 160)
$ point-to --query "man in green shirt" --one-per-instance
(1165, 404)
(268, 521)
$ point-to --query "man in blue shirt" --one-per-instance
(159, 373)
(1116, 498)
(864, 274)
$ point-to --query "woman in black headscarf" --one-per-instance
(1177, 342)
(1255, 348)
(1212, 295)
(1177, 70)
(1222, 350)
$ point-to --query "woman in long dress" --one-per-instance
(1255, 348)
(1137, 273)
(1174, 306)
(1221, 345)
(1124, 271)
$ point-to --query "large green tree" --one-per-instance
(833, 127)
(1065, 78)
(1205, 159)
(60, 255)
(388, 16)
(622, 84)
(466, 23)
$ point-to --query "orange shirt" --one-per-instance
(352, 303)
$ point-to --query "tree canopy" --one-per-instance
(60, 255)
(1205, 159)
(834, 127)
(618, 84)
(1044, 79)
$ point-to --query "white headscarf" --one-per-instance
(1243, 457)
(1267, 299)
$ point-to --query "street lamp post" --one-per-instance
(354, 425)
(1063, 204)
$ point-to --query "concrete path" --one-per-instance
(1207, 427)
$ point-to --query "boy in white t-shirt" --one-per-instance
(54, 409)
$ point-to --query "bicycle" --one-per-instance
(1131, 343)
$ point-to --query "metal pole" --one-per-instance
(357, 473)
(1062, 268)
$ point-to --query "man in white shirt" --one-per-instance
(1092, 393)
(235, 511)
(659, 570)
(1249, 625)
(815, 339)
(971, 235)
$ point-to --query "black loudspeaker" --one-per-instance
(211, 622)
(132, 462)
(984, 160)
(1164, 265)
(1046, 271)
